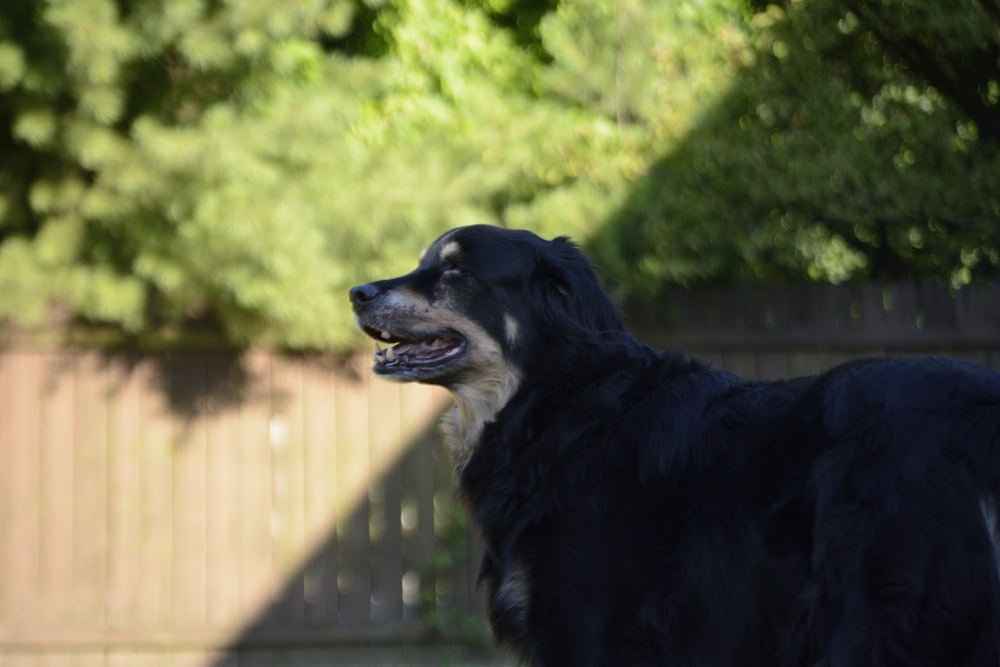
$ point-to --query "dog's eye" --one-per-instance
(451, 270)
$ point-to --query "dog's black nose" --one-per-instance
(362, 294)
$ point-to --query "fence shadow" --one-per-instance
(392, 582)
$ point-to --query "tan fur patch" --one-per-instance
(514, 592)
(449, 250)
(404, 298)
(479, 401)
(510, 328)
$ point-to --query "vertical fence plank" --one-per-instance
(307, 658)
(125, 491)
(873, 315)
(259, 658)
(452, 534)
(91, 492)
(772, 365)
(256, 580)
(6, 437)
(385, 443)
(222, 441)
(190, 542)
(190, 658)
(22, 552)
(808, 362)
(902, 314)
(134, 659)
(353, 558)
(740, 363)
(836, 310)
(57, 450)
(60, 659)
(319, 432)
(18, 660)
(986, 301)
(287, 481)
(938, 310)
(418, 504)
(157, 450)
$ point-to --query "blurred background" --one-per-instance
(195, 466)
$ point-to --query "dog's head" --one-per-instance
(486, 310)
(483, 302)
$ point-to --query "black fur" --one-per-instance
(640, 508)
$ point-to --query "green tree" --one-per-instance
(174, 165)
(120, 132)
(849, 146)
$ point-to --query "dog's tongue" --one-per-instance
(415, 351)
(423, 346)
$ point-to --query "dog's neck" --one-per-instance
(475, 406)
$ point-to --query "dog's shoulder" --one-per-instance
(692, 419)
(639, 416)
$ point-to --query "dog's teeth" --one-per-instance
(378, 348)
(389, 354)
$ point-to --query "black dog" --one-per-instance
(640, 508)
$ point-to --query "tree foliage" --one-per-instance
(833, 156)
(168, 165)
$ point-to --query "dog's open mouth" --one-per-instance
(407, 352)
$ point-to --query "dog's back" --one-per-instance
(901, 498)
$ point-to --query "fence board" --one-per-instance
(319, 431)
(188, 658)
(90, 492)
(385, 434)
(418, 479)
(156, 447)
(18, 660)
(125, 579)
(353, 546)
(740, 363)
(20, 574)
(259, 659)
(190, 526)
(223, 460)
(287, 481)
(257, 582)
(7, 427)
(134, 659)
(56, 445)
(54, 659)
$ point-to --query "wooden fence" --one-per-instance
(201, 508)
(197, 508)
(787, 331)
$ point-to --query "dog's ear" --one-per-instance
(574, 305)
